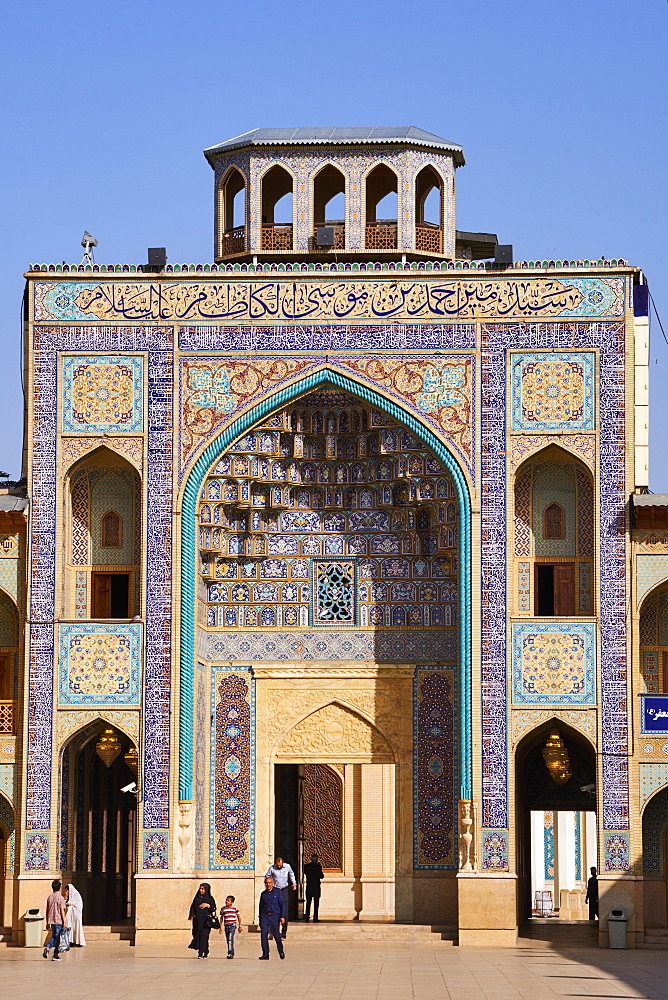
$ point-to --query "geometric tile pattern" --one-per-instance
(650, 570)
(548, 845)
(554, 664)
(650, 671)
(435, 781)
(552, 392)
(651, 777)
(384, 647)
(102, 394)
(99, 664)
(554, 483)
(7, 826)
(8, 622)
(232, 770)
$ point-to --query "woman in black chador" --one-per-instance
(202, 909)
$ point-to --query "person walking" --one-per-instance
(314, 875)
(231, 921)
(65, 936)
(283, 877)
(75, 917)
(55, 919)
(272, 914)
(202, 910)
(592, 894)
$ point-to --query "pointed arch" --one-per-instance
(338, 705)
(190, 494)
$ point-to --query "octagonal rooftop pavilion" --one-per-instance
(383, 193)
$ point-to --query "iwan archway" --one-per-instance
(330, 514)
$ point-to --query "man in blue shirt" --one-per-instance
(283, 875)
(272, 915)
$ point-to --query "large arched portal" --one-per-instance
(331, 560)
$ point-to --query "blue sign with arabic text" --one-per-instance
(655, 714)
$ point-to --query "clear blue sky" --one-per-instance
(106, 107)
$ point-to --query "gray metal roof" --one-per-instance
(406, 135)
(650, 499)
(9, 503)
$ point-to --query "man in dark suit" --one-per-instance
(272, 915)
(314, 875)
(592, 895)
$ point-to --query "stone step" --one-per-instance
(366, 930)
(124, 933)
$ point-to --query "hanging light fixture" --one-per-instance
(556, 759)
(108, 747)
(132, 760)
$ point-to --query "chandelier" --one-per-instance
(556, 759)
(108, 747)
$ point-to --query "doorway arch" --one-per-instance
(99, 821)
(191, 491)
(536, 791)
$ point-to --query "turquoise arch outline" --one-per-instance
(188, 556)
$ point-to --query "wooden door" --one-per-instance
(564, 589)
(101, 604)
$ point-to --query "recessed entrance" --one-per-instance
(344, 813)
(556, 817)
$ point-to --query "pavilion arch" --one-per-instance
(326, 184)
(554, 569)
(381, 181)
(429, 234)
(276, 183)
(190, 493)
(232, 212)
(9, 642)
(536, 791)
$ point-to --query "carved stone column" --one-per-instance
(183, 861)
(467, 851)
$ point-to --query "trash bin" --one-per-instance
(617, 928)
(34, 924)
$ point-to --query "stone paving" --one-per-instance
(336, 971)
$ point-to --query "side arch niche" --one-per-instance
(553, 539)
(330, 506)
(7, 849)
(655, 859)
(556, 838)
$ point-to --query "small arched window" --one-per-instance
(554, 522)
(111, 531)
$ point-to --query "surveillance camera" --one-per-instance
(590, 789)
(132, 788)
(87, 240)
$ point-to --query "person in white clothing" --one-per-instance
(75, 918)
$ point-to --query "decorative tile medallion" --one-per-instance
(616, 850)
(102, 393)
(494, 851)
(99, 664)
(233, 770)
(553, 663)
(552, 392)
(435, 780)
(155, 850)
(37, 851)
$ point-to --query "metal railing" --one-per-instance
(381, 235)
(7, 717)
(428, 238)
(233, 241)
(276, 236)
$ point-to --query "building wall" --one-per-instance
(487, 371)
